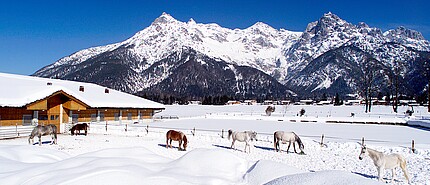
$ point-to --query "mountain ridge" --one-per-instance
(279, 53)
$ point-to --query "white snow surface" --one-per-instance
(22, 90)
(134, 156)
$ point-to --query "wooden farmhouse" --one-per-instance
(26, 100)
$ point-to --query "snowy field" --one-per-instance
(135, 156)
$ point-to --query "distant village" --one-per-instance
(348, 102)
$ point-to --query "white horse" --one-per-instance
(245, 136)
(289, 137)
(383, 161)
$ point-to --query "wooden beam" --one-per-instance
(40, 105)
(72, 105)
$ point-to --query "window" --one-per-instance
(26, 119)
(129, 117)
(75, 118)
(116, 115)
(93, 117)
(54, 117)
(43, 117)
(102, 117)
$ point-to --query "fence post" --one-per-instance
(147, 129)
(16, 129)
(106, 125)
(126, 127)
(322, 140)
(194, 131)
(413, 146)
(362, 141)
(222, 133)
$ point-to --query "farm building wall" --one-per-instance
(60, 108)
(15, 116)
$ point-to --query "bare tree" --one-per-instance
(427, 75)
(371, 70)
(395, 83)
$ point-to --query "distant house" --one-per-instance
(352, 102)
(306, 102)
(408, 102)
(324, 103)
(285, 102)
(233, 102)
(26, 100)
(268, 102)
(194, 102)
(379, 102)
(250, 102)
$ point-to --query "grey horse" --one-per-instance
(40, 131)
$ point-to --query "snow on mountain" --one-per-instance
(408, 37)
(329, 32)
(258, 46)
(325, 37)
(282, 54)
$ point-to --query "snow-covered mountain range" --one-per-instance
(153, 56)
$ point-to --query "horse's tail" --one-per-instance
(185, 140)
(274, 142)
(167, 138)
(403, 166)
(230, 132)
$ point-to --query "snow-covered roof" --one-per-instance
(19, 90)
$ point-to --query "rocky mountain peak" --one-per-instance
(329, 23)
(191, 21)
(164, 19)
(402, 32)
(362, 25)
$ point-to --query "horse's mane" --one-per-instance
(299, 141)
(230, 132)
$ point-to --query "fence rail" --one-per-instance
(216, 132)
(7, 132)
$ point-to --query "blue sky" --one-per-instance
(34, 34)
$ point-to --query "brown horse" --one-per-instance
(177, 136)
(78, 128)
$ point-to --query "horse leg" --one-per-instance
(294, 146)
(289, 144)
(180, 143)
(405, 171)
(167, 142)
(380, 173)
(86, 132)
(40, 140)
(246, 144)
(394, 174)
(232, 144)
(170, 142)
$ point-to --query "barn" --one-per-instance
(27, 100)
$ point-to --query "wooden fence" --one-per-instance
(7, 132)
